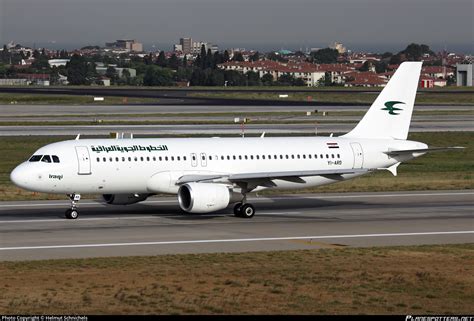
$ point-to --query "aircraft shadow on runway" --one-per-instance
(278, 207)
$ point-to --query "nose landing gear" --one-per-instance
(72, 213)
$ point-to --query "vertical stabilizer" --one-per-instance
(390, 114)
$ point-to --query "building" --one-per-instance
(188, 46)
(119, 71)
(58, 62)
(311, 74)
(339, 47)
(464, 75)
(130, 45)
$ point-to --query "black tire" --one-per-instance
(71, 214)
(247, 211)
(238, 209)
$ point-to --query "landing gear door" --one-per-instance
(83, 160)
(358, 155)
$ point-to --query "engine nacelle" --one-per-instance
(124, 199)
(205, 197)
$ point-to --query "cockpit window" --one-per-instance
(35, 158)
(55, 158)
(46, 159)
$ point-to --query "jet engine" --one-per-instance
(205, 197)
(124, 199)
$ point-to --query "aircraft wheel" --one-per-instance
(71, 214)
(247, 211)
(238, 209)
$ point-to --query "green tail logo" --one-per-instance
(392, 110)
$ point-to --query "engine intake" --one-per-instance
(124, 199)
(205, 197)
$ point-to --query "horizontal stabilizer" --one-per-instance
(421, 150)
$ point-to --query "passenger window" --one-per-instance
(166, 158)
(251, 156)
(98, 159)
(327, 156)
(55, 158)
(304, 156)
(111, 159)
(160, 158)
(123, 159)
(178, 158)
(104, 159)
(35, 158)
(298, 156)
(321, 156)
(233, 157)
(245, 156)
(154, 158)
(46, 159)
(116, 159)
(263, 156)
(338, 156)
(332, 155)
(184, 158)
(309, 156)
(148, 159)
(210, 157)
(286, 156)
(315, 156)
(129, 159)
(258, 157)
(141, 158)
(172, 158)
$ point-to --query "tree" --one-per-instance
(255, 56)
(226, 56)
(253, 78)
(112, 74)
(173, 62)
(77, 70)
(415, 52)
(161, 61)
(267, 79)
(157, 76)
(286, 79)
(325, 56)
(238, 57)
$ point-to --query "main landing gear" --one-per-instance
(72, 213)
(244, 209)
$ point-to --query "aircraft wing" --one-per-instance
(293, 176)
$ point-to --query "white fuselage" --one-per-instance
(153, 165)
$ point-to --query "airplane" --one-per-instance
(209, 174)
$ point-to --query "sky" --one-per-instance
(305, 23)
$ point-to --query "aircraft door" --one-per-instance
(194, 160)
(358, 155)
(83, 160)
(203, 160)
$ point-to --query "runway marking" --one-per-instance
(44, 247)
(260, 198)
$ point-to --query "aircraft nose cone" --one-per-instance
(19, 176)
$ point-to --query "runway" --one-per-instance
(54, 110)
(37, 230)
(219, 129)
